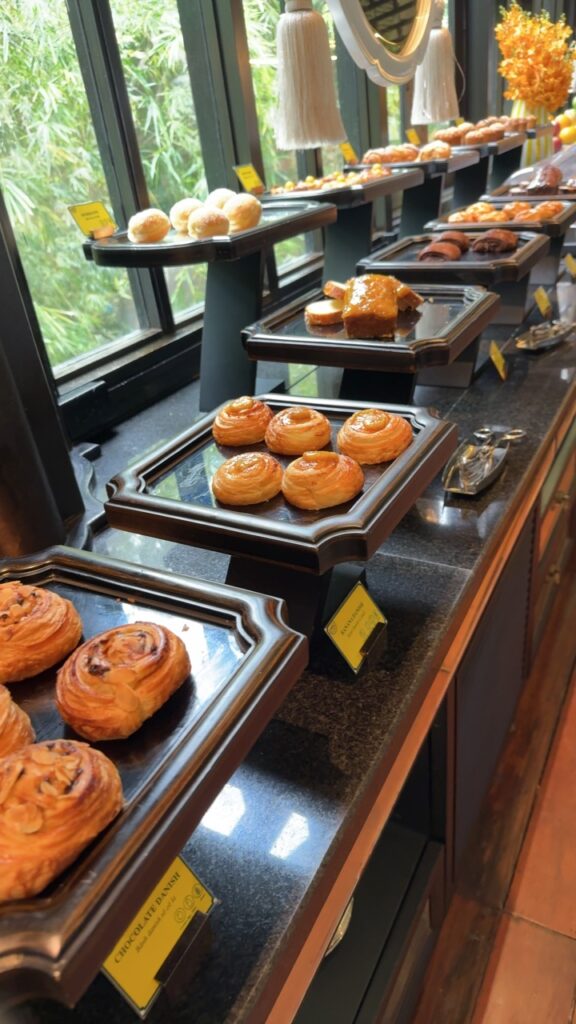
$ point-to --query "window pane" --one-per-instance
(154, 62)
(48, 160)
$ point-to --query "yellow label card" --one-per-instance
(249, 178)
(93, 219)
(543, 302)
(570, 264)
(153, 933)
(412, 136)
(352, 625)
(349, 153)
(498, 360)
(459, 120)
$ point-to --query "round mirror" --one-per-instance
(387, 38)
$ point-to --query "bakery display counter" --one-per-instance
(440, 332)
(234, 283)
(349, 237)
(507, 272)
(244, 660)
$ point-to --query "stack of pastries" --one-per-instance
(56, 796)
(450, 246)
(368, 305)
(318, 478)
(223, 212)
(489, 129)
(407, 153)
(526, 213)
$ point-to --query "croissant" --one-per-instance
(247, 479)
(374, 435)
(242, 421)
(111, 684)
(296, 430)
(15, 727)
(37, 629)
(55, 797)
(321, 479)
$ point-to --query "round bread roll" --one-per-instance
(219, 197)
(247, 479)
(55, 798)
(207, 222)
(296, 430)
(321, 479)
(374, 435)
(148, 226)
(37, 629)
(15, 727)
(242, 421)
(181, 211)
(243, 211)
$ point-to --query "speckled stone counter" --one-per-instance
(272, 842)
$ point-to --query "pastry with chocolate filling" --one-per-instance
(455, 238)
(496, 240)
(440, 252)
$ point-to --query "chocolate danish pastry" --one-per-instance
(247, 479)
(321, 479)
(37, 629)
(296, 430)
(374, 435)
(15, 727)
(440, 252)
(455, 238)
(242, 421)
(115, 681)
(496, 240)
(55, 797)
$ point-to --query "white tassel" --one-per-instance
(434, 89)
(308, 114)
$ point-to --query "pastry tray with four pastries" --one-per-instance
(243, 661)
(279, 221)
(503, 256)
(448, 320)
(507, 213)
(342, 195)
(169, 494)
(457, 161)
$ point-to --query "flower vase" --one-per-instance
(539, 148)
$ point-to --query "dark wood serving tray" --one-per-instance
(168, 495)
(244, 661)
(356, 195)
(401, 260)
(280, 221)
(555, 228)
(452, 317)
(431, 168)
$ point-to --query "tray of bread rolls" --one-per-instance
(492, 147)
(549, 216)
(303, 483)
(433, 158)
(350, 187)
(128, 698)
(482, 257)
(224, 239)
(430, 326)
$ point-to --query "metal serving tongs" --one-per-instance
(473, 467)
(542, 337)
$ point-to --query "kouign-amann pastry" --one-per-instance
(440, 252)
(148, 226)
(374, 435)
(55, 798)
(370, 306)
(455, 238)
(116, 680)
(296, 430)
(321, 479)
(207, 222)
(37, 629)
(242, 421)
(15, 726)
(180, 213)
(247, 479)
(243, 211)
(324, 312)
(219, 197)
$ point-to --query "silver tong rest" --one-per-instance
(545, 336)
(473, 467)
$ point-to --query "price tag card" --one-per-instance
(498, 360)
(459, 120)
(412, 136)
(93, 219)
(349, 153)
(151, 936)
(352, 625)
(570, 264)
(543, 302)
(249, 178)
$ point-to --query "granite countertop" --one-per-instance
(269, 844)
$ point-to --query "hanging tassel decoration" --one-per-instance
(308, 114)
(435, 96)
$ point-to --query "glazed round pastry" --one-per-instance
(243, 211)
(55, 797)
(207, 222)
(374, 435)
(116, 680)
(148, 226)
(296, 430)
(219, 197)
(37, 629)
(15, 727)
(321, 479)
(242, 421)
(247, 479)
(181, 211)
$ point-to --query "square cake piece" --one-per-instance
(370, 306)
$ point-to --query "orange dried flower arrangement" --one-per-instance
(537, 59)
